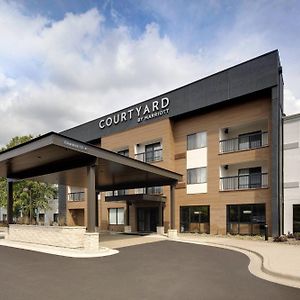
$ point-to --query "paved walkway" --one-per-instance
(277, 262)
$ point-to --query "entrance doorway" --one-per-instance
(147, 219)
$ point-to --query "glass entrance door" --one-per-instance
(147, 219)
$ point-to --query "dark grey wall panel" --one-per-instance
(257, 74)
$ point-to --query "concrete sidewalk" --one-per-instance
(276, 262)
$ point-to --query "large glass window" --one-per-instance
(296, 218)
(197, 175)
(196, 140)
(194, 219)
(246, 219)
(116, 216)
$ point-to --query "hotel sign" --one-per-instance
(140, 113)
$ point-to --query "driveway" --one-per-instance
(161, 270)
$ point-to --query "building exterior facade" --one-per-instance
(291, 173)
(223, 133)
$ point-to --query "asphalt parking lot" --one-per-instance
(160, 270)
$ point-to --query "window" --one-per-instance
(116, 216)
(250, 178)
(194, 219)
(154, 190)
(197, 175)
(124, 152)
(246, 219)
(250, 140)
(196, 141)
(55, 218)
(296, 218)
(153, 152)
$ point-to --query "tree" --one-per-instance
(28, 195)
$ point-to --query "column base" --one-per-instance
(160, 230)
(91, 241)
(172, 233)
(127, 229)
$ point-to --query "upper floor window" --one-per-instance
(153, 152)
(124, 152)
(196, 175)
(196, 141)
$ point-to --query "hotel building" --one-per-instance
(223, 133)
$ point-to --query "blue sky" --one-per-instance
(66, 62)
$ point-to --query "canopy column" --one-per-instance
(91, 199)
(10, 201)
(172, 232)
(172, 206)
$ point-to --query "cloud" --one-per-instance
(55, 74)
(65, 72)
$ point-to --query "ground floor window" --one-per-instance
(248, 219)
(296, 218)
(55, 218)
(194, 219)
(116, 216)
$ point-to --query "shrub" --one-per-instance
(297, 235)
(280, 239)
(290, 235)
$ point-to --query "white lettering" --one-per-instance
(123, 116)
(146, 110)
(155, 106)
(138, 110)
(130, 113)
(101, 124)
(108, 121)
(116, 118)
(165, 102)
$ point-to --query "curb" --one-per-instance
(279, 276)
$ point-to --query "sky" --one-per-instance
(63, 62)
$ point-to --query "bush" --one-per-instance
(290, 235)
(297, 235)
(280, 239)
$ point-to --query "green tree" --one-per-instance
(28, 195)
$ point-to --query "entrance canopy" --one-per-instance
(54, 158)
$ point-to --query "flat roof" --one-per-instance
(257, 74)
(56, 159)
(291, 118)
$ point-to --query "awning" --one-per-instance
(54, 158)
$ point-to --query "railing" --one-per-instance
(150, 156)
(242, 182)
(244, 142)
(77, 196)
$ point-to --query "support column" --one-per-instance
(172, 232)
(160, 214)
(172, 206)
(10, 201)
(160, 228)
(127, 227)
(62, 204)
(91, 199)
